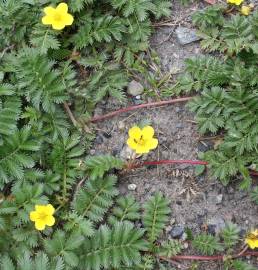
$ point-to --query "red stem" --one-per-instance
(209, 258)
(168, 161)
(132, 108)
(175, 161)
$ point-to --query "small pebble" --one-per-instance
(132, 187)
(212, 229)
(138, 97)
(121, 125)
(92, 152)
(184, 236)
(216, 224)
(179, 125)
(186, 35)
(99, 139)
(177, 231)
(186, 245)
(135, 88)
(219, 199)
(172, 221)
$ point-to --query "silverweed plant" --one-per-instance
(60, 209)
(226, 82)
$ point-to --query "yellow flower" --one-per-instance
(141, 140)
(42, 216)
(235, 2)
(57, 17)
(252, 239)
(245, 10)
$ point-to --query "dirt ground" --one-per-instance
(213, 204)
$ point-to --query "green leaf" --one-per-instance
(156, 214)
(207, 244)
(199, 169)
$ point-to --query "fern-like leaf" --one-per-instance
(94, 200)
(126, 209)
(230, 235)
(98, 165)
(15, 155)
(155, 217)
(207, 244)
(39, 82)
(254, 194)
(114, 248)
(240, 265)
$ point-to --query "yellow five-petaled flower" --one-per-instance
(245, 10)
(141, 140)
(42, 216)
(57, 17)
(252, 239)
(235, 2)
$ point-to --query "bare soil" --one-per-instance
(178, 139)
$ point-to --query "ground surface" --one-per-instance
(178, 139)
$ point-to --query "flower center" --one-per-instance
(42, 216)
(141, 141)
(57, 17)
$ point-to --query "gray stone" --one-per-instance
(99, 139)
(121, 125)
(216, 225)
(177, 231)
(126, 152)
(219, 199)
(179, 125)
(205, 146)
(186, 35)
(135, 88)
(92, 152)
(132, 187)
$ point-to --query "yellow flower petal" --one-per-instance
(50, 221)
(40, 225)
(235, 2)
(152, 143)
(50, 209)
(142, 149)
(58, 25)
(39, 208)
(33, 215)
(252, 243)
(245, 10)
(47, 20)
(68, 19)
(131, 143)
(62, 8)
(49, 11)
(147, 132)
(135, 132)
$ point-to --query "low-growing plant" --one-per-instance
(59, 207)
(227, 83)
